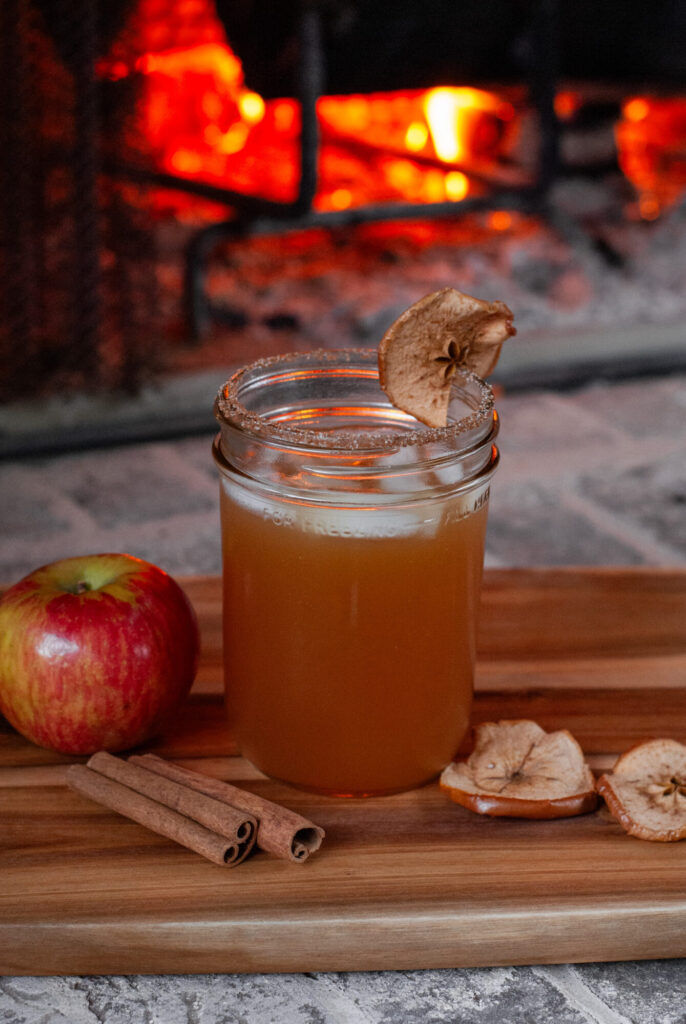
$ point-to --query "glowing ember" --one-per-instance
(567, 103)
(651, 142)
(196, 111)
(202, 122)
(465, 122)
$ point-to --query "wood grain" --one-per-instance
(408, 881)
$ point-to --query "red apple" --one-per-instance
(96, 653)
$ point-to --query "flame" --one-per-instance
(451, 114)
(416, 136)
(456, 185)
(341, 199)
(567, 103)
(500, 220)
(208, 58)
(202, 121)
(636, 109)
(651, 149)
(251, 106)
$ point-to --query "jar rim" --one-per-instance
(229, 409)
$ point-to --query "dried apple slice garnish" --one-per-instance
(443, 332)
(518, 770)
(646, 790)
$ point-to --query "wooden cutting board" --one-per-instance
(408, 881)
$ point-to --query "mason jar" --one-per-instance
(353, 541)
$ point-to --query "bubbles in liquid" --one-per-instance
(420, 519)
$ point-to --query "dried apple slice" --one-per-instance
(646, 791)
(518, 770)
(443, 332)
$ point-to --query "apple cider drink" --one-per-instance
(353, 544)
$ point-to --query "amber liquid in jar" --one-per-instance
(357, 676)
(352, 567)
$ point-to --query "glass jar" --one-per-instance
(353, 542)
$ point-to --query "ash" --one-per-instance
(586, 262)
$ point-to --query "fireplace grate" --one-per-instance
(257, 217)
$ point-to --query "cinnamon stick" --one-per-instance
(226, 820)
(279, 831)
(152, 815)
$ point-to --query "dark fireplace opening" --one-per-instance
(175, 172)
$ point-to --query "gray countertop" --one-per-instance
(620, 993)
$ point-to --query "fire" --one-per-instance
(251, 106)
(636, 110)
(500, 220)
(567, 103)
(202, 121)
(196, 109)
(416, 137)
(455, 121)
(651, 146)
(419, 145)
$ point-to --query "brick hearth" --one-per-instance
(596, 476)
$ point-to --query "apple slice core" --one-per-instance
(518, 770)
(444, 332)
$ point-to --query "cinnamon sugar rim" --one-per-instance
(229, 409)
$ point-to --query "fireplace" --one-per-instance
(230, 123)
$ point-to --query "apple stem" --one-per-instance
(81, 587)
